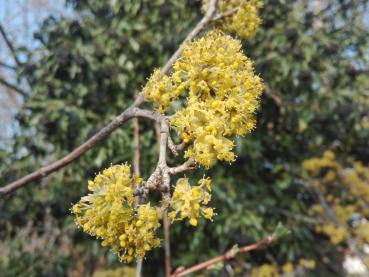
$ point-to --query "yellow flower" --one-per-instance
(265, 270)
(221, 93)
(159, 90)
(188, 202)
(310, 264)
(244, 21)
(108, 213)
(193, 221)
(220, 102)
(287, 268)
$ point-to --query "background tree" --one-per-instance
(313, 59)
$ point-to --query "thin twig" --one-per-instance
(7, 66)
(10, 45)
(172, 146)
(13, 51)
(129, 113)
(136, 171)
(167, 260)
(228, 255)
(223, 15)
(187, 165)
(13, 87)
(136, 147)
(156, 179)
(175, 148)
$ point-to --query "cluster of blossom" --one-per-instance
(189, 201)
(270, 270)
(222, 95)
(345, 189)
(109, 213)
(160, 90)
(116, 272)
(239, 16)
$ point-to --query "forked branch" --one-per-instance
(114, 124)
(227, 256)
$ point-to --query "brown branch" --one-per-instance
(136, 147)
(13, 87)
(228, 255)
(187, 165)
(7, 66)
(160, 179)
(131, 112)
(136, 171)
(10, 45)
(167, 259)
(165, 178)
(223, 15)
(332, 215)
(174, 148)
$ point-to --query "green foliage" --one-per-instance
(312, 60)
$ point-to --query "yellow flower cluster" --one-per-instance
(362, 231)
(310, 264)
(241, 16)
(139, 236)
(222, 95)
(344, 186)
(109, 213)
(117, 272)
(188, 202)
(336, 234)
(269, 270)
(265, 270)
(288, 268)
(356, 179)
(160, 90)
(314, 165)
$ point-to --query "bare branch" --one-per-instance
(175, 148)
(188, 165)
(160, 179)
(10, 45)
(131, 112)
(225, 14)
(172, 146)
(181, 146)
(13, 87)
(136, 147)
(136, 171)
(228, 255)
(7, 66)
(167, 259)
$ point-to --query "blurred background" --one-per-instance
(69, 67)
